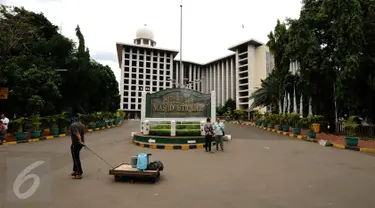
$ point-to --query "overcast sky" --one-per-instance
(209, 26)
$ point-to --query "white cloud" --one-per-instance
(209, 27)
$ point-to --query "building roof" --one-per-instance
(119, 46)
(251, 41)
(218, 59)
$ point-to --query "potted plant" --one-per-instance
(294, 121)
(63, 122)
(351, 126)
(266, 119)
(53, 120)
(20, 134)
(35, 126)
(92, 118)
(285, 123)
(280, 119)
(315, 126)
(272, 120)
(311, 133)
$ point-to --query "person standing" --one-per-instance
(77, 130)
(5, 122)
(209, 134)
(219, 134)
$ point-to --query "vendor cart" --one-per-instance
(126, 171)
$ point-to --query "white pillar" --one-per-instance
(177, 74)
(206, 88)
(173, 128)
(226, 80)
(213, 106)
(232, 78)
(143, 106)
(200, 78)
(146, 128)
(171, 71)
(224, 86)
(294, 101)
(301, 106)
(190, 75)
(237, 82)
(158, 73)
(310, 107)
(122, 79)
(202, 128)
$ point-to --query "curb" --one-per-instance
(305, 138)
(170, 146)
(57, 136)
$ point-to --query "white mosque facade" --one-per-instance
(144, 66)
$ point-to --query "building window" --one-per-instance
(126, 75)
(161, 66)
(127, 55)
(126, 93)
(140, 76)
(126, 62)
(139, 94)
(155, 58)
(134, 56)
(126, 81)
(140, 82)
(133, 94)
(148, 64)
(145, 41)
(134, 69)
(133, 81)
(133, 88)
(147, 76)
(139, 106)
(141, 63)
(127, 69)
(155, 65)
(134, 76)
(132, 100)
(140, 70)
(132, 106)
(126, 87)
(148, 71)
(134, 63)
(126, 106)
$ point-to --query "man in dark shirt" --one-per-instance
(77, 130)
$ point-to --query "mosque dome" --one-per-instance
(145, 33)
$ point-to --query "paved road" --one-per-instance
(257, 169)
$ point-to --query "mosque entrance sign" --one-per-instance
(178, 103)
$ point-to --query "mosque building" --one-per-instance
(145, 66)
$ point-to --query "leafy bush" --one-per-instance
(160, 132)
(188, 132)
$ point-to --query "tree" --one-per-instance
(31, 49)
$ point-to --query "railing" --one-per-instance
(172, 128)
(363, 132)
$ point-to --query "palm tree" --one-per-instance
(269, 92)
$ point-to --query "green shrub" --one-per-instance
(160, 132)
(160, 126)
(188, 132)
